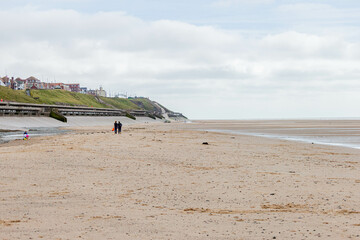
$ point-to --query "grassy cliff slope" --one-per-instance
(61, 97)
(65, 97)
(121, 103)
(145, 103)
(8, 94)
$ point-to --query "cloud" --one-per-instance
(186, 66)
(300, 45)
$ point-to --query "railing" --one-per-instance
(21, 111)
(92, 112)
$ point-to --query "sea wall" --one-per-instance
(21, 123)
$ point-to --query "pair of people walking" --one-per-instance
(117, 127)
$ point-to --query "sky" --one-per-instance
(209, 59)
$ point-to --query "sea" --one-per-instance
(335, 138)
(6, 136)
(334, 132)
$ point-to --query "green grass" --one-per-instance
(8, 94)
(61, 97)
(121, 103)
(66, 97)
(144, 103)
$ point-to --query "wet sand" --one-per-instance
(334, 132)
(158, 181)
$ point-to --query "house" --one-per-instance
(74, 87)
(6, 81)
(101, 92)
(66, 88)
(45, 85)
(61, 86)
(13, 84)
(83, 90)
(98, 92)
(53, 86)
(32, 83)
(20, 84)
(91, 92)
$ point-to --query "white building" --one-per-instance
(19, 84)
(101, 92)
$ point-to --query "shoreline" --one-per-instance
(45, 124)
(102, 121)
(67, 130)
(285, 138)
(335, 132)
(13, 135)
(141, 125)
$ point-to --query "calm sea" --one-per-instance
(34, 132)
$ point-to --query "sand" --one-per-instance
(158, 181)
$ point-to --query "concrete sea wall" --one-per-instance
(21, 123)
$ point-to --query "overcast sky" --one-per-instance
(209, 59)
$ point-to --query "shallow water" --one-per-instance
(352, 140)
(335, 132)
(33, 132)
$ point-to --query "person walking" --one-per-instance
(115, 127)
(120, 126)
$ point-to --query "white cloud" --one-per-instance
(183, 65)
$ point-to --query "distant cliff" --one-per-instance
(61, 97)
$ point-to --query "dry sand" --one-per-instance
(158, 181)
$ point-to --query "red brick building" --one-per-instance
(74, 87)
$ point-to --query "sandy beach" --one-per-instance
(159, 181)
